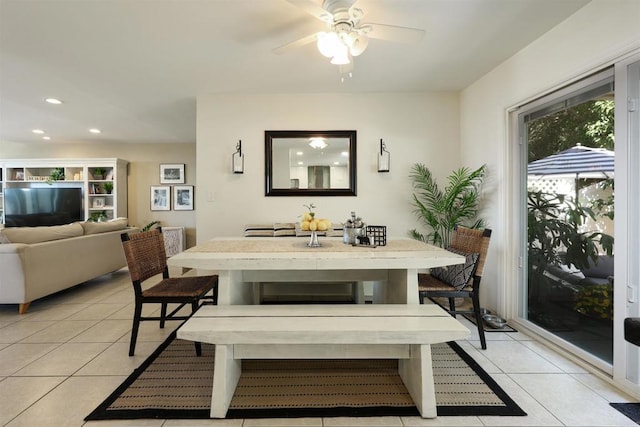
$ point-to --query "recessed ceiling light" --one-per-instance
(38, 131)
(94, 130)
(46, 137)
(53, 101)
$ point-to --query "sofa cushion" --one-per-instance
(3, 237)
(30, 235)
(284, 229)
(102, 227)
(336, 230)
(601, 269)
(258, 230)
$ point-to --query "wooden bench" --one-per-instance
(403, 332)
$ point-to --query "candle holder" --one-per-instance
(237, 160)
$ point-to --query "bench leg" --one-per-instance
(226, 374)
(417, 375)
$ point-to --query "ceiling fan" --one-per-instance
(346, 36)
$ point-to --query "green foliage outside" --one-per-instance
(554, 229)
(554, 235)
(589, 124)
(596, 301)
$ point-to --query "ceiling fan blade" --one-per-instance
(313, 8)
(393, 33)
(296, 43)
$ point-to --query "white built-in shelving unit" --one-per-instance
(93, 176)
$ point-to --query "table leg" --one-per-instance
(417, 375)
(402, 287)
(232, 289)
(226, 373)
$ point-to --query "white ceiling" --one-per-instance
(133, 68)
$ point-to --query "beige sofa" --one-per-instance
(39, 261)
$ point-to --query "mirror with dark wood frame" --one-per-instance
(310, 163)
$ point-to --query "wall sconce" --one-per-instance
(384, 158)
(237, 159)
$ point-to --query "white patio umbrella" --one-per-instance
(576, 162)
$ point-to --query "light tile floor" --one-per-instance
(69, 352)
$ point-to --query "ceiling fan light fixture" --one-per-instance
(341, 56)
(328, 43)
(359, 45)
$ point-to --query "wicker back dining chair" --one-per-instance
(146, 258)
(461, 281)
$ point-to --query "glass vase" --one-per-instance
(313, 240)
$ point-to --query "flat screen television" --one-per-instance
(32, 207)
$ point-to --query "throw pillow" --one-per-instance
(457, 275)
(103, 227)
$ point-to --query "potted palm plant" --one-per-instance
(441, 210)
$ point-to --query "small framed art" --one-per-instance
(183, 197)
(98, 202)
(160, 197)
(172, 173)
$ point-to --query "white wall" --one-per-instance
(419, 127)
(592, 37)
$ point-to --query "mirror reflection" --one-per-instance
(310, 163)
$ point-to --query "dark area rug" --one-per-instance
(631, 410)
(173, 383)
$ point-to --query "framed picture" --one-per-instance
(183, 197)
(160, 197)
(172, 174)
(95, 188)
(98, 202)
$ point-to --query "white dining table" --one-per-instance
(243, 262)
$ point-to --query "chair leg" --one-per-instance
(479, 321)
(421, 297)
(452, 306)
(194, 307)
(134, 329)
(163, 314)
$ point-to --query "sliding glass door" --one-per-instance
(568, 153)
